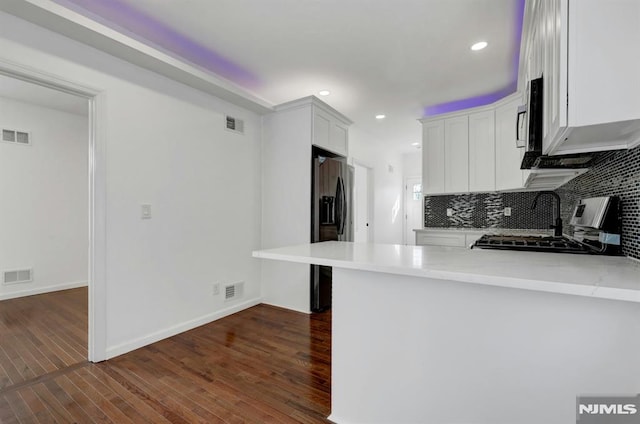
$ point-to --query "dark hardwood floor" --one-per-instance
(261, 365)
(41, 334)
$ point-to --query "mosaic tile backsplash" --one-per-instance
(618, 174)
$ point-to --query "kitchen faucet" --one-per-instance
(558, 225)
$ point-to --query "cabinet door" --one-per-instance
(482, 151)
(321, 129)
(433, 157)
(508, 156)
(456, 154)
(339, 138)
(329, 133)
(555, 101)
(440, 238)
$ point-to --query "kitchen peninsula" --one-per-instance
(427, 334)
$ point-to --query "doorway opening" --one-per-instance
(413, 201)
(363, 203)
(53, 269)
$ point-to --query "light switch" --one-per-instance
(449, 212)
(146, 211)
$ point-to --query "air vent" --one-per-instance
(234, 291)
(235, 124)
(17, 276)
(16, 136)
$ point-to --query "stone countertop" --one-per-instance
(606, 277)
(508, 231)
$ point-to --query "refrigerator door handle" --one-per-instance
(339, 205)
(344, 207)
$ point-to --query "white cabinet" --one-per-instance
(440, 238)
(475, 151)
(509, 176)
(450, 238)
(330, 131)
(445, 155)
(433, 157)
(288, 134)
(456, 154)
(482, 148)
(591, 97)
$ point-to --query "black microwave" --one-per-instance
(533, 144)
(533, 157)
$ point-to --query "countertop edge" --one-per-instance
(594, 291)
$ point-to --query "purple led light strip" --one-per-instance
(486, 99)
(117, 13)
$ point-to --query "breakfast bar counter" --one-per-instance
(452, 335)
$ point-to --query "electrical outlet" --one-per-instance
(216, 289)
(145, 211)
(507, 211)
(449, 212)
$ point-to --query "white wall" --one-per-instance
(387, 184)
(412, 164)
(44, 213)
(166, 146)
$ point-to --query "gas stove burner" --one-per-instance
(531, 243)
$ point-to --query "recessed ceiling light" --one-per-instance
(324, 92)
(479, 45)
(416, 144)
(381, 116)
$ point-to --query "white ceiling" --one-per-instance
(42, 96)
(395, 57)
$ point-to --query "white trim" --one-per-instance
(62, 20)
(338, 420)
(156, 336)
(42, 290)
(404, 205)
(97, 328)
(370, 195)
(302, 311)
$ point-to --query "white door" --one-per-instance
(413, 208)
(362, 203)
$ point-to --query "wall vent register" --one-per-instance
(233, 291)
(16, 136)
(234, 124)
(17, 276)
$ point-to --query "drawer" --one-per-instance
(440, 239)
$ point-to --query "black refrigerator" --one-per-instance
(331, 216)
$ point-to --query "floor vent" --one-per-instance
(17, 276)
(235, 124)
(15, 136)
(234, 291)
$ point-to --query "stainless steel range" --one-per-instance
(534, 243)
(596, 226)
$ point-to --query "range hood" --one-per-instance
(573, 161)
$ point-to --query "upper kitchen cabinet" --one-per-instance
(508, 156)
(458, 153)
(482, 150)
(476, 151)
(445, 155)
(330, 130)
(433, 157)
(584, 51)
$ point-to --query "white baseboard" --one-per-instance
(289, 307)
(42, 290)
(180, 328)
